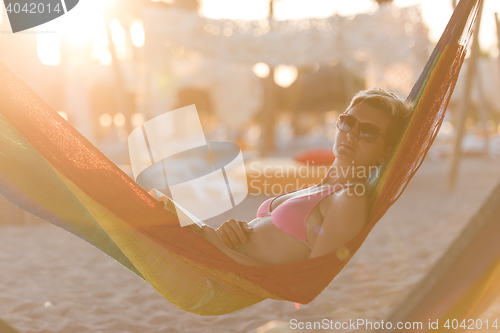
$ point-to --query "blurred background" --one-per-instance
(271, 76)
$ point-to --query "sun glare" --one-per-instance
(119, 38)
(105, 58)
(435, 13)
(231, 9)
(80, 27)
(261, 69)
(100, 43)
(48, 44)
(283, 10)
(117, 32)
(119, 119)
(285, 75)
(137, 33)
(1, 17)
(105, 120)
(85, 24)
(137, 119)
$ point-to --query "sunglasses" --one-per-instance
(367, 132)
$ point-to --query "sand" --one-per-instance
(51, 281)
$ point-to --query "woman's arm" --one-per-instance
(234, 233)
(345, 217)
(211, 236)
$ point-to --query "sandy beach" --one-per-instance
(51, 281)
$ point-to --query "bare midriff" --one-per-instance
(269, 244)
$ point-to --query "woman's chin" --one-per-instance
(346, 160)
(344, 154)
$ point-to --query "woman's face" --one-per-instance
(352, 150)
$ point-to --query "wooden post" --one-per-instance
(497, 23)
(483, 113)
(463, 108)
(268, 119)
(345, 74)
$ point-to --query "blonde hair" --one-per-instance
(398, 110)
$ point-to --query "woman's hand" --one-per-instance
(234, 233)
(210, 235)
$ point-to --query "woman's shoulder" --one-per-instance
(352, 195)
(362, 186)
(349, 207)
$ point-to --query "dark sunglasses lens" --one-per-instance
(369, 132)
(346, 123)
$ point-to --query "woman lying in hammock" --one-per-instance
(312, 222)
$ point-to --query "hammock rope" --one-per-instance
(50, 170)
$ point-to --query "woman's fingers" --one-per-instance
(199, 230)
(246, 228)
(233, 233)
(210, 235)
(225, 238)
(229, 238)
(238, 231)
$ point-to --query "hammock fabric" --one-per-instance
(50, 170)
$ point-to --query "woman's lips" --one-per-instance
(347, 146)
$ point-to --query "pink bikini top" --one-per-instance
(291, 215)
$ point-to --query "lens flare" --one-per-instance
(137, 33)
(285, 75)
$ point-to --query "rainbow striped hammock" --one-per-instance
(50, 170)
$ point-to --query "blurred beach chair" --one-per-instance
(472, 145)
(495, 147)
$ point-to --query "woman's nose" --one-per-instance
(354, 133)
